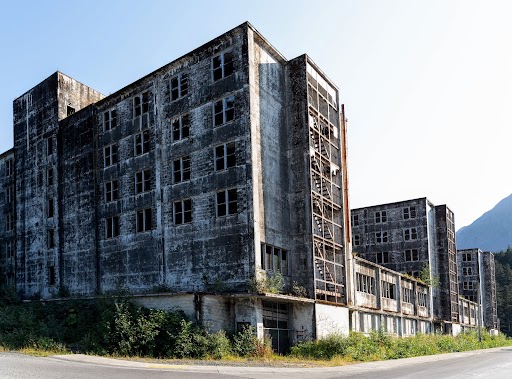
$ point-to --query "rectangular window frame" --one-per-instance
(142, 181)
(144, 222)
(274, 259)
(182, 210)
(181, 169)
(227, 202)
(222, 65)
(141, 143)
(9, 167)
(224, 111)
(411, 255)
(112, 191)
(224, 156)
(112, 227)
(180, 128)
(110, 155)
(178, 86)
(109, 119)
(141, 104)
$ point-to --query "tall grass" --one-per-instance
(380, 346)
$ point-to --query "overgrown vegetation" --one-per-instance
(271, 283)
(380, 346)
(119, 328)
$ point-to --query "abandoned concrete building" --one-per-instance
(417, 238)
(193, 186)
(477, 283)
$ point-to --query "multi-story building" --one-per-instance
(189, 188)
(413, 237)
(477, 283)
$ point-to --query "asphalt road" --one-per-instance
(492, 363)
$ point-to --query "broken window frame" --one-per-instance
(407, 295)
(144, 222)
(109, 119)
(110, 153)
(178, 86)
(9, 167)
(422, 299)
(182, 210)
(181, 169)
(180, 128)
(223, 111)
(388, 290)
(411, 255)
(141, 104)
(227, 202)
(142, 181)
(365, 283)
(111, 191)
(112, 227)
(222, 65)
(224, 156)
(381, 237)
(141, 143)
(274, 259)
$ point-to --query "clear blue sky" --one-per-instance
(427, 85)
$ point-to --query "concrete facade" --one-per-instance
(477, 283)
(408, 237)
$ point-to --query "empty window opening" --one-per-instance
(143, 181)
(383, 257)
(49, 146)
(142, 142)
(355, 220)
(144, 222)
(227, 202)
(70, 110)
(49, 176)
(407, 295)
(180, 128)
(381, 237)
(468, 286)
(9, 222)
(381, 217)
(110, 155)
(112, 191)
(467, 271)
(10, 249)
(109, 119)
(112, 227)
(466, 257)
(182, 212)
(9, 194)
(225, 156)
(141, 104)
(365, 283)
(181, 169)
(51, 276)
(410, 234)
(274, 259)
(388, 290)
(422, 299)
(411, 255)
(179, 86)
(409, 212)
(50, 208)
(9, 167)
(357, 240)
(222, 65)
(224, 111)
(51, 239)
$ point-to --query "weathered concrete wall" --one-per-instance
(7, 219)
(331, 319)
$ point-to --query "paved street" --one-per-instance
(492, 363)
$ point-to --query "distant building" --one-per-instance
(477, 282)
(410, 237)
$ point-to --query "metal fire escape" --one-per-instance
(326, 194)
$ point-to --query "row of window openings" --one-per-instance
(382, 237)
(366, 284)
(222, 66)
(226, 204)
(382, 216)
(224, 158)
(410, 255)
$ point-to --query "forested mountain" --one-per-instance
(503, 262)
(490, 232)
